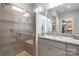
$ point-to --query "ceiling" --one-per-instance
(64, 7)
(25, 6)
(61, 8)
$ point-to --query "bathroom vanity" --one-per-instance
(53, 45)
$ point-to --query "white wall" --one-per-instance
(75, 19)
(38, 29)
(39, 19)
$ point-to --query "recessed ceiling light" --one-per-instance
(68, 6)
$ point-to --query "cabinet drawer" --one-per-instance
(71, 54)
(73, 48)
(53, 43)
(46, 50)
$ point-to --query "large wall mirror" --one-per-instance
(63, 18)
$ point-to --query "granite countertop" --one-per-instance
(61, 39)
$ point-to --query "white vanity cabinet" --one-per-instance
(46, 50)
(51, 48)
(43, 50)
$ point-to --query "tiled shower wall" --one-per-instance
(14, 29)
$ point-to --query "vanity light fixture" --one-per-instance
(17, 9)
(38, 9)
(26, 15)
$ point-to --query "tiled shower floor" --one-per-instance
(23, 53)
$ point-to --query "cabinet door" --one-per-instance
(53, 43)
(43, 50)
(52, 51)
(71, 54)
(47, 50)
(73, 48)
